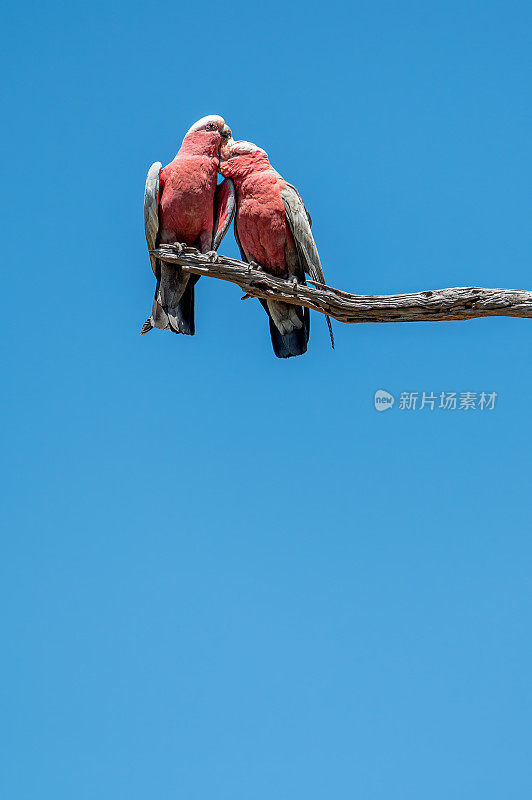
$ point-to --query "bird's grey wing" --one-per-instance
(299, 222)
(151, 210)
(307, 212)
(224, 210)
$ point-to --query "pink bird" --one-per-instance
(182, 203)
(272, 228)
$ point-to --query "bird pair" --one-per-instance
(183, 203)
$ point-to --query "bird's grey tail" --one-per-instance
(173, 304)
(286, 345)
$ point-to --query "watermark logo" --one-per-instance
(383, 400)
(436, 401)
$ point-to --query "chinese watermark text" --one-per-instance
(435, 401)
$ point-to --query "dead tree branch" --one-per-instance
(429, 306)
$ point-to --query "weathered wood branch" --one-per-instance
(429, 306)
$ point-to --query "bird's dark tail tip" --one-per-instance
(288, 344)
(291, 344)
(146, 328)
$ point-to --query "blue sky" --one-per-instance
(225, 575)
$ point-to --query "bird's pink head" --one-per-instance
(207, 135)
(238, 159)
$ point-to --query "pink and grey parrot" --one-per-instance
(272, 228)
(182, 203)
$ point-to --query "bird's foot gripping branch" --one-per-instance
(437, 305)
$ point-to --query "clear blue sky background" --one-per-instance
(224, 575)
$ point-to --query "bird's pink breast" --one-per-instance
(186, 197)
(261, 221)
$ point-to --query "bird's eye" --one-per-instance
(211, 127)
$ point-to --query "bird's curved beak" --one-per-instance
(227, 140)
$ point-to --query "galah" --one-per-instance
(182, 203)
(272, 228)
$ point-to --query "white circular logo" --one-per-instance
(383, 400)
